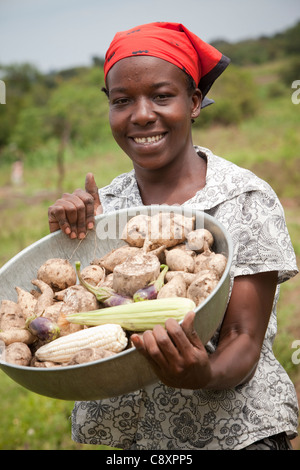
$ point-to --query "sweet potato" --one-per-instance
(35, 293)
(115, 257)
(208, 260)
(136, 230)
(53, 311)
(58, 273)
(200, 240)
(163, 228)
(79, 299)
(93, 274)
(11, 315)
(18, 353)
(108, 281)
(45, 299)
(135, 273)
(176, 287)
(188, 277)
(66, 328)
(159, 252)
(26, 301)
(56, 312)
(202, 286)
(180, 260)
(13, 323)
(169, 229)
(17, 335)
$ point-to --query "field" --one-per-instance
(267, 143)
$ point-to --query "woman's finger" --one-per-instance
(76, 214)
(92, 189)
(188, 327)
(62, 215)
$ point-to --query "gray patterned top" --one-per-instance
(160, 417)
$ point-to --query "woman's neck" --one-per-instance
(172, 185)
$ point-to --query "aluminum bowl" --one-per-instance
(129, 370)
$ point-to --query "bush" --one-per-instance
(276, 90)
(291, 72)
(236, 99)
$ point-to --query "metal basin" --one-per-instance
(128, 370)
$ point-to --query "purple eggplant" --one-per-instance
(107, 296)
(150, 292)
(43, 328)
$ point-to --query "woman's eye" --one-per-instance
(162, 97)
(120, 101)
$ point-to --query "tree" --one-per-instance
(20, 80)
(75, 113)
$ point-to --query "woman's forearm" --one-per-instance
(243, 330)
(180, 359)
(233, 363)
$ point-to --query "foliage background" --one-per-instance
(56, 125)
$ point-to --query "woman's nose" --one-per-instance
(143, 112)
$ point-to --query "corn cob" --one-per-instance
(109, 337)
(138, 316)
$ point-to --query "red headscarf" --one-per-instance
(174, 43)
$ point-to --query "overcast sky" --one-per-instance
(56, 34)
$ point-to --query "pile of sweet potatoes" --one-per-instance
(193, 270)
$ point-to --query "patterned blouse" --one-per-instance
(160, 417)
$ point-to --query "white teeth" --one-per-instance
(148, 140)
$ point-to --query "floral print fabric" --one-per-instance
(160, 417)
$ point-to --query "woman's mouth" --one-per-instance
(148, 140)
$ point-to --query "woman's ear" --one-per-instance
(196, 103)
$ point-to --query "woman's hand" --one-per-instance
(74, 213)
(176, 353)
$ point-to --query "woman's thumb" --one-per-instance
(188, 327)
(92, 189)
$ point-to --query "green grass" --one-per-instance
(33, 422)
(272, 135)
(30, 421)
(288, 318)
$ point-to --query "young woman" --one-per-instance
(230, 393)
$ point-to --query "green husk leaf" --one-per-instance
(138, 316)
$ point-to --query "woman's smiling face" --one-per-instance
(151, 110)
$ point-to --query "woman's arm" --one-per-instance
(180, 359)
